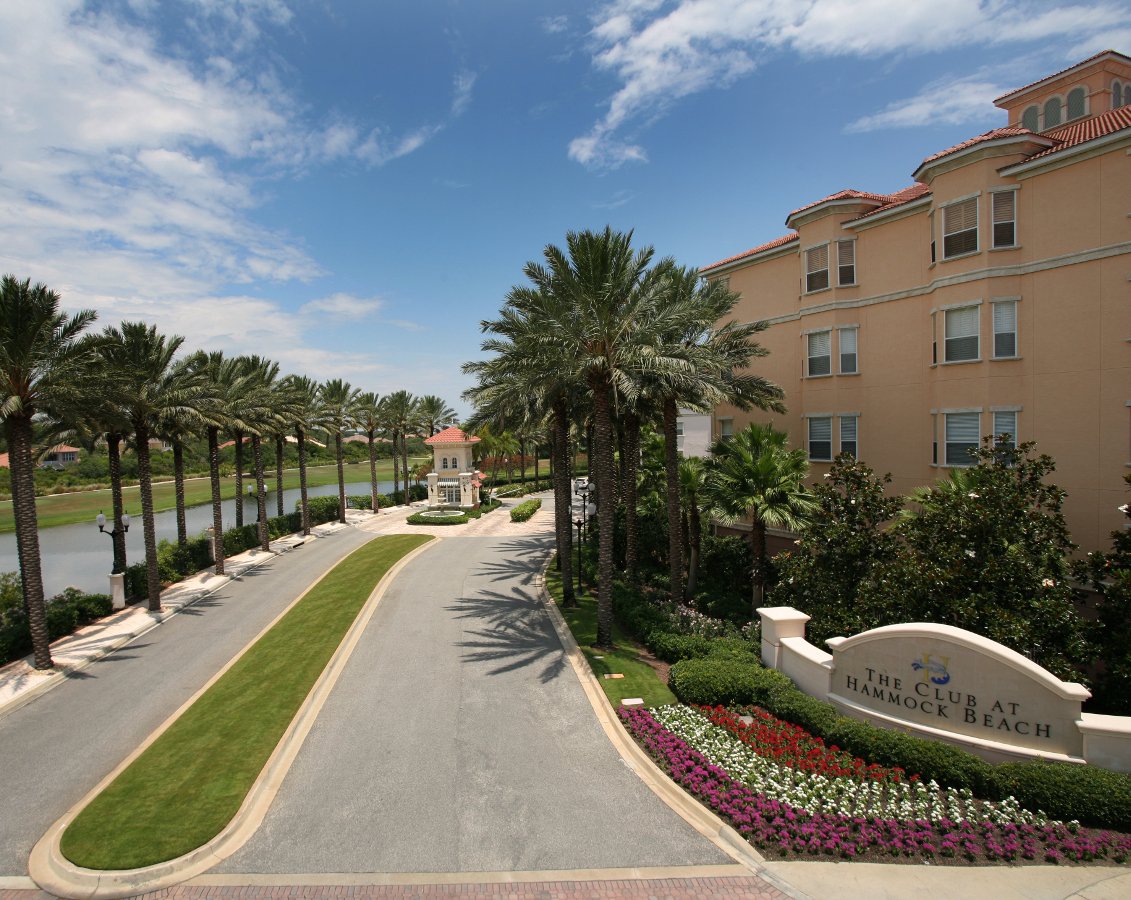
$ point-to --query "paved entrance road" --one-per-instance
(459, 740)
(58, 747)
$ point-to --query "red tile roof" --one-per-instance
(848, 194)
(1086, 130)
(1082, 62)
(777, 242)
(992, 135)
(914, 192)
(3, 460)
(452, 435)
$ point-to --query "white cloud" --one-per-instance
(554, 24)
(342, 306)
(948, 102)
(661, 52)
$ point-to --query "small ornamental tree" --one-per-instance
(988, 551)
(839, 549)
(1109, 575)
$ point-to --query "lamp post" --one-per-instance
(578, 523)
(117, 578)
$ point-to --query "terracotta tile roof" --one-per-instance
(993, 135)
(452, 435)
(3, 460)
(848, 194)
(1086, 130)
(1082, 62)
(770, 245)
(914, 192)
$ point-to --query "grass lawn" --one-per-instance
(640, 679)
(191, 781)
(83, 506)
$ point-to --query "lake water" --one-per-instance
(79, 555)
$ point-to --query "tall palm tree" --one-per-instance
(402, 417)
(304, 410)
(44, 363)
(755, 474)
(692, 478)
(259, 412)
(370, 419)
(152, 386)
(337, 402)
(435, 414)
(101, 419)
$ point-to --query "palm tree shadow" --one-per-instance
(515, 632)
(522, 559)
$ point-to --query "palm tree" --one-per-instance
(304, 410)
(401, 417)
(754, 474)
(370, 419)
(257, 413)
(101, 419)
(176, 424)
(435, 414)
(692, 478)
(337, 401)
(152, 386)
(43, 363)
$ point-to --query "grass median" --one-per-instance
(191, 781)
(639, 679)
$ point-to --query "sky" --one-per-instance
(350, 187)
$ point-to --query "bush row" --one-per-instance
(457, 517)
(525, 510)
(1065, 791)
(66, 611)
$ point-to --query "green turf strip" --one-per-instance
(190, 782)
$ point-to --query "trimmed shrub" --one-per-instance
(722, 681)
(135, 581)
(1092, 796)
(525, 510)
(236, 540)
(421, 519)
(485, 507)
(672, 647)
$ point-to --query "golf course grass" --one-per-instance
(188, 784)
(638, 678)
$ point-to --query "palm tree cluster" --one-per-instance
(144, 387)
(609, 337)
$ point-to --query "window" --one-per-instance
(1031, 119)
(816, 268)
(1005, 422)
(847, 338)
(962, 433)
(821, 438)
(819, 354)
(1005, 329)
(1052, 112)
(726, 429)
(960, 228)
(679, 428)
(1076, 103)
(444, 460)
(848, 434)
(1120, 94)
(846, 263)
(455, 463)
(1004, 219)
(961, 333)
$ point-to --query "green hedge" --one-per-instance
(1088, 794)
(421, 519)
(66, 612)
(525, 510)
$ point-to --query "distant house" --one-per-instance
(159, 445)
(59, 456)
(4, 461)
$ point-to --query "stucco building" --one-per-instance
(991, 295)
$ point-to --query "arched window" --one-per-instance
(1031, 119)
(1052, 112)
(1075, 103)
(1116, 95)
(445, 461)
(1127, 95)
(455, 462)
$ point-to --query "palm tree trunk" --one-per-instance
(758, 546)
(631, 455)
(300, 434)
(671, 470)
(522, 462)
(260, 494)
(559, 453)
(602, 464)
(239, 479)
(341, 478)
(280, 448)
(217, 504)
(114, 458)
(404, 457)
(373, 472)
(179, 488)
(145, 483)
(19, 432)
(396, 468)
(537, 467)
(695, 533)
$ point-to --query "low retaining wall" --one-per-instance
(948, 684)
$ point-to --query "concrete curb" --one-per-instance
(236, 570)
(690, 810)
(54, 873)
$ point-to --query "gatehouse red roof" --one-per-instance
(452, 435)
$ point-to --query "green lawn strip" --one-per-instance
(640, 679)
(191, 781)
(82, 506)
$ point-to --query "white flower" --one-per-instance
(827, 475)
(972, 495)
(1048, 582)
(970, 553)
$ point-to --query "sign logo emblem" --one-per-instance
(933, 668)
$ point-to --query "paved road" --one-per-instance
(58, 747)
(459, 740)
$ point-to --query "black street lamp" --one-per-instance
(578, 523)
(125, 526)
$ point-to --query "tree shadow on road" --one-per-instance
(523, 559)
(516, 633)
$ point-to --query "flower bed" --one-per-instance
(790, 795)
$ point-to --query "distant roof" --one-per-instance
(770, 245)
(914, 192)
(847, 194)
(992, 135)
(3, 460)
(1086, 130)
(452, 435)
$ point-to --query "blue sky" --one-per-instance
(351, 187)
